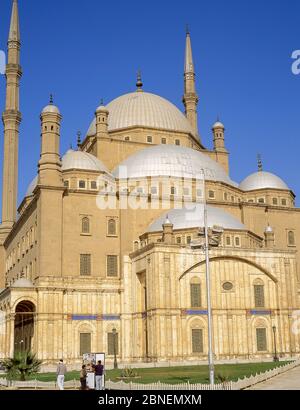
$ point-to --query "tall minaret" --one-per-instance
(190, 98)
(11, 119)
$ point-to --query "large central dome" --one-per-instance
(145, 110)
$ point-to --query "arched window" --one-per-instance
(291, 238)
(197, 341)
(259, 295)
(112, 227)
(261, 339)
(195, 288)
(85, 225)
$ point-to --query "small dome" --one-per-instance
(172, 161)
(51, 109)
(102, 108)
(145, 110)
(74, 160)
(22, 283)
(83, 161)
(262, 180)
(186, 219)
(218, 124)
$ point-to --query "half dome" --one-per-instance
(172, 161)
(262, 180)
(145, 110)
(194, 218)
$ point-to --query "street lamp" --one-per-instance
(212, 238)
(276, 358)
(115, 348)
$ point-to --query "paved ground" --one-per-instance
(286, 381)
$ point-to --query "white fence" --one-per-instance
(163, 386)
(121, 385)
(37, 385)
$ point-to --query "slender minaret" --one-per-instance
(190, 98)
(11, 120)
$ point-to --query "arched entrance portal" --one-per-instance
(24, 326)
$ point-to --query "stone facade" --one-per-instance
(72, 270)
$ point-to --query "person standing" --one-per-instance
(99, 369)
(83, 375)
(61, 371)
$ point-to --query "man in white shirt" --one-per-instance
(61, 371)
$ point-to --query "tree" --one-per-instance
(22, 365)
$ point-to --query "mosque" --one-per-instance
(105, 252)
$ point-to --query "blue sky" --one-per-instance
(85, 51)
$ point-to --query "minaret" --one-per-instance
(190, 98)
(11, 120)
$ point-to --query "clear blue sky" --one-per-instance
(85, 51)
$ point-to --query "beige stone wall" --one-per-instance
(234, 325)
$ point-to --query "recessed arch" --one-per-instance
(24, 325)
(235, 258)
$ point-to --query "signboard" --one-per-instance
(90, 360)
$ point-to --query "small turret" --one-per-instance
(168, 234)
(218, 130)
(50, 161)
(102, 115)
(269, 237)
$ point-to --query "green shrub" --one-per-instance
(22, 365)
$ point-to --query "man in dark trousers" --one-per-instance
(99, 369)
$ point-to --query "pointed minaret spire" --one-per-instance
(14, 31)
(11, 120)
(190, 98)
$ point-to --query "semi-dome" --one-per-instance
(172, 161)
(74, 160)
(194, 218)
(22, 283)
(145, 110)
(262, 180)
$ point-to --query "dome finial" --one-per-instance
(139, 82)
(187, 29)
(79, 140)
(259, 163)
(51, 99)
